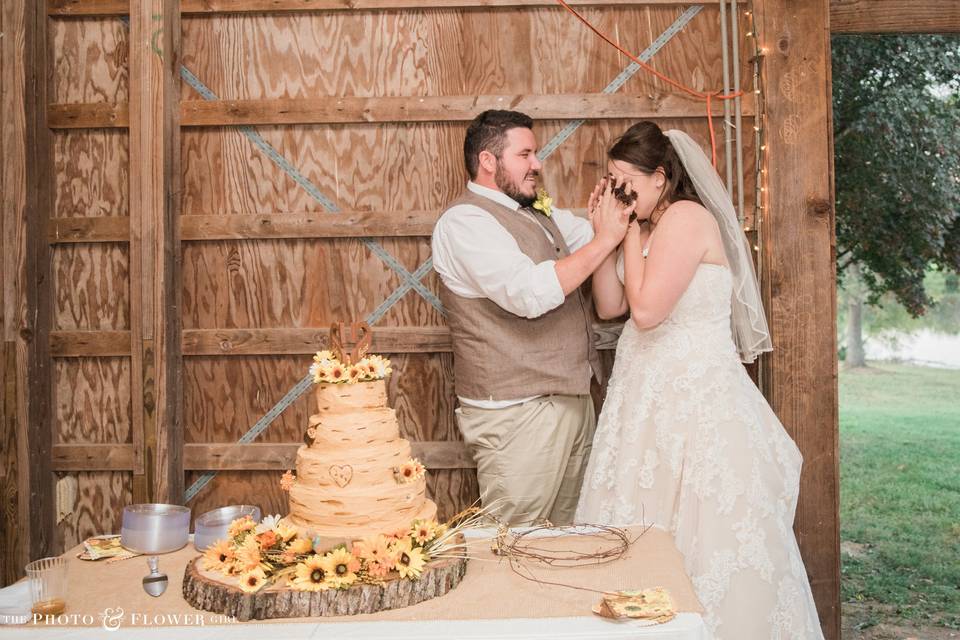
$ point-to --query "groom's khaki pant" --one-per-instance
(531, 457)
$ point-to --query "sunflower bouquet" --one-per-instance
(259, 554)
(328, 368)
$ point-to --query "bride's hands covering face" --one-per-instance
(610, 207)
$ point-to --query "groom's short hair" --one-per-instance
(488, 132)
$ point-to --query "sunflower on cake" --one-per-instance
(359, 512)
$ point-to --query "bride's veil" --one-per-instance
(749, 325)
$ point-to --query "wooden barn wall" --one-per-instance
(91, 280)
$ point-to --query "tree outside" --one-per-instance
(897, 160)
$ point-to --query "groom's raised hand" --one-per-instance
(611, 216)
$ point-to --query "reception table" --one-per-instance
(493, 601)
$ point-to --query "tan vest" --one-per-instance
(501, 356)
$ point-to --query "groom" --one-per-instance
(521, 328)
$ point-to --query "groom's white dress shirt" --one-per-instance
(477, 258)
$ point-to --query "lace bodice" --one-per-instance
(704, 308)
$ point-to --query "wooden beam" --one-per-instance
(204, 113)
(244, 342)
(387, 340)
(93, 457)
(34, 290)
(799, 377)
(895, 16)
(101, 115)
(309, 224)
(846, 16)
(278, 457)
(398, 109)
(104, 229)
(74, 344)
(120, 7)
(154, 250)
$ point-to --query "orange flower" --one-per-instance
(287, 480)
(375, 551)
(267, 539)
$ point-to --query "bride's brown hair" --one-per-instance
(646, 147)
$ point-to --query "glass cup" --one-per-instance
(48, 586)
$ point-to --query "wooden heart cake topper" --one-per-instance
(342, 475)
(359, 336)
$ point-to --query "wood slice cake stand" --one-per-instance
(202, 591)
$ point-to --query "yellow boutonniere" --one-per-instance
(544, 203)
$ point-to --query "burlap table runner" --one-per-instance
(490, 589)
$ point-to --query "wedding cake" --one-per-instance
(356, 477)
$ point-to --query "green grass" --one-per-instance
(900, 491)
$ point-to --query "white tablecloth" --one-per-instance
(133, 626)
(686, 626)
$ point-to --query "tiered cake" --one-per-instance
(350, 480)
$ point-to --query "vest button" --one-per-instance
(558, 249)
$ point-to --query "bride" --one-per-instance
(685, 440)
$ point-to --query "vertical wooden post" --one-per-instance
(800, 377)
(154, 249)
(27, 303)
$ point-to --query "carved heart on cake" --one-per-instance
(341, 474)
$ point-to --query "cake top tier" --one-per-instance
(341, 398)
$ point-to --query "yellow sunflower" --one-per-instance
(335, 373)
(343, 568)
(248, 554)
(312, 574)
(409, 471)
(301, 546)
(285, 531)
(252, 580)
(241, 525)
(355, 373)
(320, 357)
(219, 556)
(423, 531)
(410, 559)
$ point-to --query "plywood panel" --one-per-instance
(261, 488)
(296, 283)
(535, 50)
(92, 401)
(91, 286)
(421, 390)
(91, 173)
(359, 167)
(225, 396)
(101, 496)
(90, 60)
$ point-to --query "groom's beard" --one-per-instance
(512, 189)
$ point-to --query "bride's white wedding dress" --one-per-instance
(686, 442)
